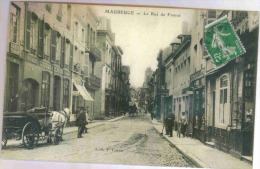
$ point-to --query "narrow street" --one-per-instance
(131, 140)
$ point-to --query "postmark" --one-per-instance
(222, 42)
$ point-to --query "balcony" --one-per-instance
(197, 75)
(93, 82)
(185, 90)
(95, 52)
(14, 48)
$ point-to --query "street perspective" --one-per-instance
(130, 85)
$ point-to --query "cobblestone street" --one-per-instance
(131, 140)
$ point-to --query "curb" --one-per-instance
(115, 119)
(195, 160)
(88, 128)
(101, 124)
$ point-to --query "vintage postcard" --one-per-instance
(130, 85)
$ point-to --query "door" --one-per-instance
(213, 113)
(223, 105)
(29, 94)
(56, 93)
(13, 86)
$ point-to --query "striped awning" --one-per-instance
(83, 92)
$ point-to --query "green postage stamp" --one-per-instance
(222, 42)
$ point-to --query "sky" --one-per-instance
(142, 36)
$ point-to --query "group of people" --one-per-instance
(82, 120)
(169, 124)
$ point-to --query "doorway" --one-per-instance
(56, 93)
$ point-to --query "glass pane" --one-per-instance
(224, 81)
(221, 96)
(225, 95)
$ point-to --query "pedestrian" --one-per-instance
(81, 122)
(171, 118)
(152, 114)
(150, 109)
(165, 123)
(183, 123)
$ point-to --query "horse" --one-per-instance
(59, 119)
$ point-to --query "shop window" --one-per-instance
(45, 89)
(29, 94)
(14, 23)
(13, 86)
(249, 84)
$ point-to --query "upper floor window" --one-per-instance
(34, 32)
(76, 29)
(58, 44)
(48, 7)
(83, 36)
(67, 52)
(14, 23)
(68, 16)
(59, 14)
(47, 41)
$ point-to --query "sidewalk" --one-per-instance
(68, 130)
(201, 154)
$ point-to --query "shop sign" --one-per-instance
(46, 65)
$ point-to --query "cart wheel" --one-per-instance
(30, 135)
(57, 136)
(4, 139)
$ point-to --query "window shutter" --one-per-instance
(28, 29)
(62, 60)
(40, 39)
(71, 58)
(53, 45)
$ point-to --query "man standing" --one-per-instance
(166, 125)
(170, 121)
(81, 122)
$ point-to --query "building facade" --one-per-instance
(231, 91)
(56, 60)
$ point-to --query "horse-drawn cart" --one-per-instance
(30, 127)
(133, 111)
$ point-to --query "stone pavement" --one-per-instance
(93, 124)
(201, 154)
(68, 130)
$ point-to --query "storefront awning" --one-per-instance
(83, 92)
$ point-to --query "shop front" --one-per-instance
(197, 107)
